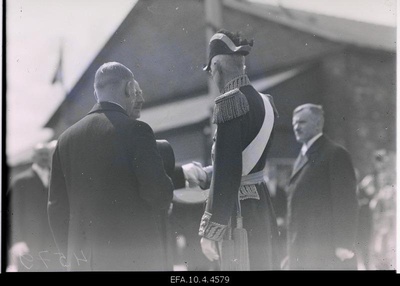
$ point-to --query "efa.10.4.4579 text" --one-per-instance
(199, 279)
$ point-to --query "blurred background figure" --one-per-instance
(376, 222)
(30, 242)
(383, 206)
(365, 193)
(276, 181)
(322, 205)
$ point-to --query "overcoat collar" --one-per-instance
(316, 146)
(310, 152)
(107, 106)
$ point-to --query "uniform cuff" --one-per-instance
(210, 229)
(209, 171)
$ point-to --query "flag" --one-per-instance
(58, 76)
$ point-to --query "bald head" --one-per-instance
(115, 83)
(112, 73)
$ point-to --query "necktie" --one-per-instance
(300, 161)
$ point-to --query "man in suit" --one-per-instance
(108, 185)
(322, 206)
(31, 245)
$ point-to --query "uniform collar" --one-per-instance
(237, 82)
(43, 173)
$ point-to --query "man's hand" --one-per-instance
(194, 174)
(209, 248)
(343, 253)
(17, 250)
(12, 268)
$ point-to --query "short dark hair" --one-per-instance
(314, 108)
(111, 72)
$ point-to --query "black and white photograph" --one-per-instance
(199, 138)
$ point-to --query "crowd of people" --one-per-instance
(376, 233)
(99, 199)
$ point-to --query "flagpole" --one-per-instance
(58, 81)
(213, 16)
(59, 73)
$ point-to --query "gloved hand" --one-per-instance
(194, 174)
(209, 248)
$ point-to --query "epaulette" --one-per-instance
(230, 105)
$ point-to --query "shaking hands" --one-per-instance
(194, 174)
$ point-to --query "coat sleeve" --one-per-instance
(225, 182)
(58, 204)
(344, 202)
(155, 186)
(178, 178)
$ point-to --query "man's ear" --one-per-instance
(129, 88)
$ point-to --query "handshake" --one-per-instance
(197, 175)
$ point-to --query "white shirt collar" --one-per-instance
(43, 173)
(307, 145)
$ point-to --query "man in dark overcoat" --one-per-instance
(108, 185)
(322, 208)
(31, 245)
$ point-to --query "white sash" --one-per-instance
(254, 150)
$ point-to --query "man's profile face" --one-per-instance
(305, 125)
(135, 101)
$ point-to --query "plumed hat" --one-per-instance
(223, 43)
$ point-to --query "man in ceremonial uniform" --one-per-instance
(244, 120)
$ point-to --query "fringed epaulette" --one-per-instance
(230, 105)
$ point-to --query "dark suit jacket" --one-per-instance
(27, 219)
(322, 208)
(107, 189)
